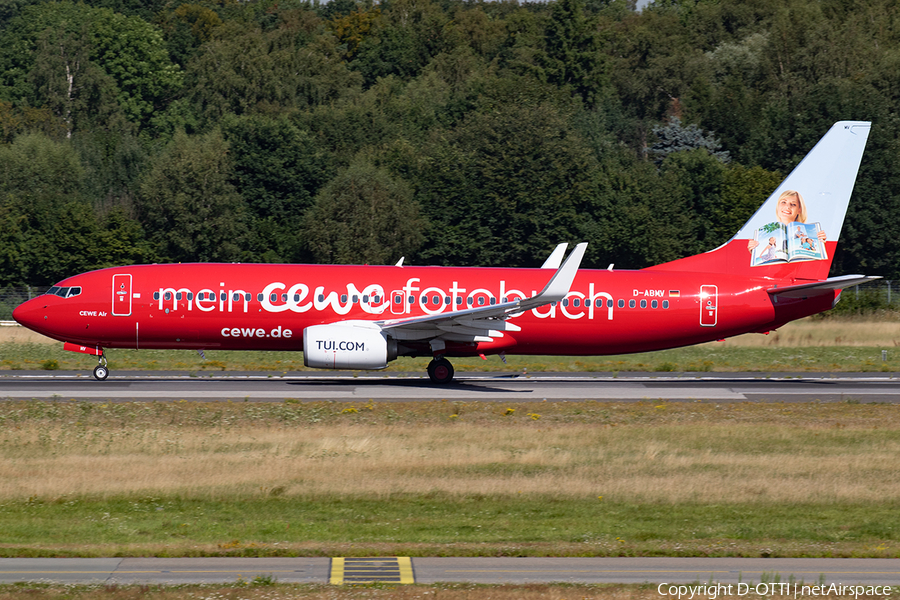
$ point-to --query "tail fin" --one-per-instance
(795, 231)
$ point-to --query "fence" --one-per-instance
(882, 295)
(11, 297)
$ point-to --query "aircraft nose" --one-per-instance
(30, 313)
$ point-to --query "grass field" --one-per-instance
(440, 478)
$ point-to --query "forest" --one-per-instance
(451, 132)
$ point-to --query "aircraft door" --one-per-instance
(709, 301)
(121, 297)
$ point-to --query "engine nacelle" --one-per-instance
(347, 345)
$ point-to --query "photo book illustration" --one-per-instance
(780, 243)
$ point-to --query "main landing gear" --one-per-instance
(440, 370)
(101, 371)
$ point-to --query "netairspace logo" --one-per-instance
(796, 590)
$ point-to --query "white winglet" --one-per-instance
(557, 288)
(400, 262)
(488, 318)
(555, 259)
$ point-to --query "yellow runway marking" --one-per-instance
(396, 569)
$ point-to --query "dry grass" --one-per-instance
(21, 335)
(814, 332)
(666, 453)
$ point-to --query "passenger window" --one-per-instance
(576, 302)
(284, 297)
(493, 301)
(247, 296)
(273, 297)
(355, 298)
(458, 300)
(631, 304)
(296, 297)
(621, 304)
(565, 302)
(376, 299)
(168, 295)
(665, 304)
(178, 296)
(156, 295)
(436, 300)
(654, 304)
(259, 297)
(223, 296)
(424, 299)
(365, 298)
(236, 297)
(321, 297)
(481, 301)
(398, 299)
(470, 301)
(643, 304)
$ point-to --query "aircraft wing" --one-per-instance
(832, 283)
(484, 323)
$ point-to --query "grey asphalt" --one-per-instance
(810, 571)
(511, 387)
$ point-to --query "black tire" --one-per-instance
(101, 372)
(440, 371)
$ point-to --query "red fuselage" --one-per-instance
(267, 307)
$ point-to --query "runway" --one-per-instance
(401, 387)
(749, 571)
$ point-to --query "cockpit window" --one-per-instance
(64, 292)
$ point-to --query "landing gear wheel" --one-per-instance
(101, 372)
(440, 371)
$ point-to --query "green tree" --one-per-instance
(278, 169)
(67, 82)
(403, 41)
(572, 56)
(245, 71)
(78, 45)
(504, 187)
(364, 215)
(187, 203)
(48, 228)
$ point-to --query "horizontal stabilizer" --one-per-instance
(832, 283)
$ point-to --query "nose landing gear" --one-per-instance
(101, 371)
(440, 370)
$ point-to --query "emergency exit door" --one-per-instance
(709, 300)
(121, 296)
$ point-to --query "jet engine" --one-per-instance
(347, 345)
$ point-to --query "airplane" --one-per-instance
(774, 270)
